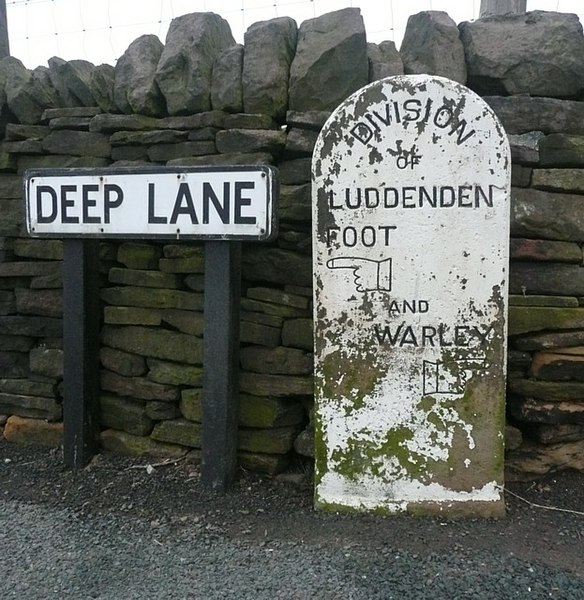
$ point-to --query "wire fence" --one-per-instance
(101, 30)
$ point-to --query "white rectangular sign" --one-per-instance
(235, 203)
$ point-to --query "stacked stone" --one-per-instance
(546, 322)
(534, 65)
(534, 62)
(200, 99)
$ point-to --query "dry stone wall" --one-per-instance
(202, 99)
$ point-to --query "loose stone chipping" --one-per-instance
(411, 185)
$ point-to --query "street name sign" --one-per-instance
(207, 203)
(221, 206)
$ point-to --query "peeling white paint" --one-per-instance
(370, 494)
(410, 197)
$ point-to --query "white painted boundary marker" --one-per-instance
(411, 211)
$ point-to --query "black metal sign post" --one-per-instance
(221, 364)
(221, 206)
(81, 346)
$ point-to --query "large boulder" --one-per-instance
(27, 96)
(184, 72)
(102, 87)
(226, 84)
(432, 45)
(331, 61)
(521, 114)
(384, 60)
(269, 50)
(72, 79)
(135, 89)
(538, 53)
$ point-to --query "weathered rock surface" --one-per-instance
(101, 82)
(178, 431)
(304, 442)
(562, 150)
(39, 302)
(282, 360)
(309, 119)
(384, 60)
(226, 81)
(300, 142)
(256, 333)
(282, 297)
(36, 432)
(135, 88)
(123, 363)
(543, 341)
(250, 140)
(548, 390)
(254, 411)
(26, 96)
(275, 385)
(184, 320)
(134, 445)
(152, 297)
(553, 412)
(47, 361)
(124, 414)
(143, 277)
(155, 343)
(78, 143)
(174, 374)
(269, 441)
(72, 80)
(538, 460)
(265, 83)
(139, 255)
(563, 364)
(525, 147)
(316, 82)
(108, 123)
(271, 464)
(497, 49)
(546, 278)
(126, 315)
(276, 266)
(31, 325)
(546, 215)
(553, 434)
(528, 319)
(298, 333)
(545, 250)
(137, 387)
(521, 114)
(295, 171)
(542, 300)
(559, 180)
(35, 407)
(27, 387)
(162, 411)
(513, 438)
(432, 45)
(185, 67)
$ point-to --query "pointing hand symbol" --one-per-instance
(368, 274)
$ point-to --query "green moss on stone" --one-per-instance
(525, 319)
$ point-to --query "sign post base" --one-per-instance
(221, 354)
(81, 347)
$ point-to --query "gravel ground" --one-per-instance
(120, 529)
